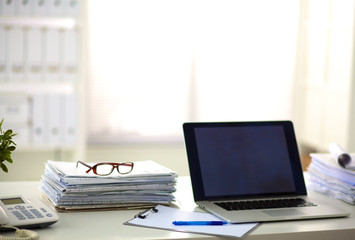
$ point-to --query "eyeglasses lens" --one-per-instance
(104, 169)
(125, 168)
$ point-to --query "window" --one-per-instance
(156, 64)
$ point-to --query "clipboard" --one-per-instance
(161, 217)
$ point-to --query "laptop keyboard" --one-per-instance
(264, 204)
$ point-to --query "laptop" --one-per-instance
(250, 172)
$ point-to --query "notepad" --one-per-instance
(164, 217)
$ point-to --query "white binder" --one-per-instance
(35, 54)
(16, 51)
(24, 8)
(8, 7)
(70, 54)
(52, 54)
(54, 120)
(15, 109)
(3, 54)
(39, 121)
(70, 119)
(71, 8)
(40, 7)
(55, 8)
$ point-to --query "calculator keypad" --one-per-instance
(28, 212)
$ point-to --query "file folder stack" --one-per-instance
(328, 177)
(37, 54)
(68, 187)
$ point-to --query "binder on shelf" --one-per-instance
(71, 8)
(55, 8)
(52, 54)
(14, 108)
(24, 8)
(54, 120)
(35, 54)
(70, 55)
(40, 7)
(8, 7)
(69, 119)
(39, 122)
(16, 54)
(3, 53)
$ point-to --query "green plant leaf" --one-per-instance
(6, 156)
(5, 146)
(11, 148)
(4, 168)
(5, 152)
(1, 125)
(8, 134)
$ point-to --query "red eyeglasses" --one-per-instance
(105, 168)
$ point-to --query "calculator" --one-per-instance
(18, 211)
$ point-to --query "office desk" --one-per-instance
(109, 224)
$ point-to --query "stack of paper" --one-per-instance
(328, 177)
(69, 187)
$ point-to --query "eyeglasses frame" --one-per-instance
(114, 165)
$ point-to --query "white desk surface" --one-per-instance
(109, 224)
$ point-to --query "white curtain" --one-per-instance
(156, 64)
(325, 67)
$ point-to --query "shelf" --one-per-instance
(44, 148)
(38, 87)
(57, 22)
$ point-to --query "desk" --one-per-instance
(108, 225)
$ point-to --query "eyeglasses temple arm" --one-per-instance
(86, 165)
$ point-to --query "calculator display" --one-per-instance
(10, 201)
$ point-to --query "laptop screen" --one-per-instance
(243, 159)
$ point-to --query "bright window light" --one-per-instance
(156, 64)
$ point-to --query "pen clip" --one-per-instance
(144, 214)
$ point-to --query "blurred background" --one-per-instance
(102, 80)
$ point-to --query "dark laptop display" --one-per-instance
(254, 159)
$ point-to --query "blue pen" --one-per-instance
(180, 223)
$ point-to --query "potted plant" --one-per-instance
(7, 146)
